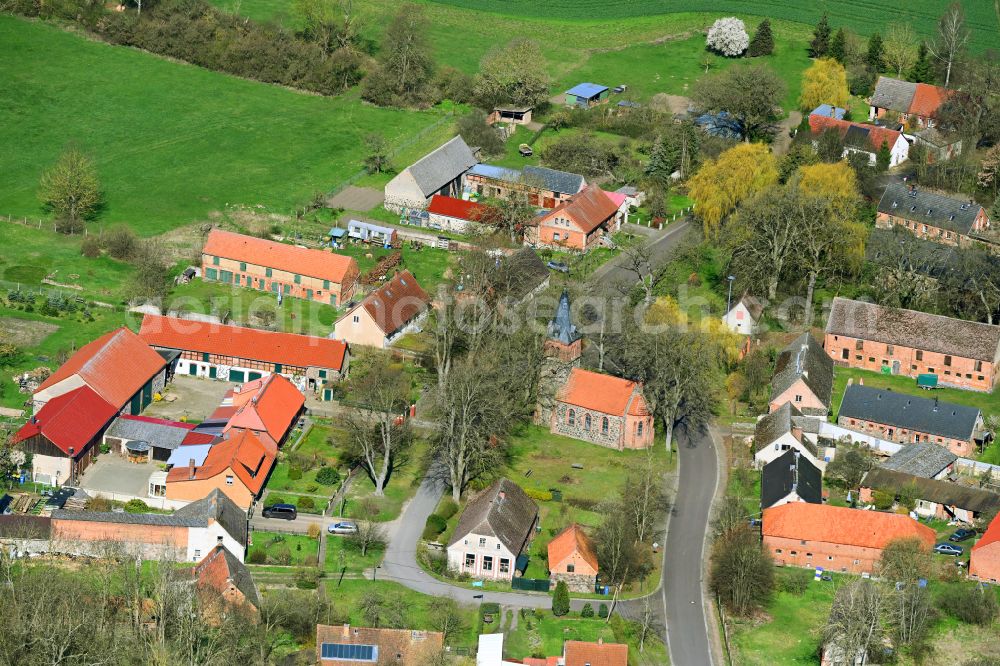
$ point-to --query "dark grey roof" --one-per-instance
(804, 358)
(790, 472)
(931, 490)
(238, 573)
(909, 328)
(21, 526)
(561, 326)
(504, 511)
(777, 423)
(923, 459)
(215, 507)
(528, 273)
(909, 412)
(928, 207)
(938, 138)
(893, 94)
(160, 435)
(168, 355)
(557, 181)
(443, 165)
(857, 137)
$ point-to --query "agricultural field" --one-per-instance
(212, 141)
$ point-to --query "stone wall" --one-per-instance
(578, 583)
(552, 376)
(578, 430)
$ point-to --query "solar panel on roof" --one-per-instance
(349, 652)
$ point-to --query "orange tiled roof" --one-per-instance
(991, 535)
(928, 99)
(115, 365)
(304, 261)
(876, 135)
(570, 540)
(220, 569)
(268, 404)
(243, 453)
(589, 208)
(584, 653)
(396, 302)
(835, 524)
(304, 351)
(602, 393)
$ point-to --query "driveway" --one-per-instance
(113, 474)
(611, 274)
(356, 198)
(196, 398)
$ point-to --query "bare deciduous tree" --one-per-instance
(951, 39)
(855, 628)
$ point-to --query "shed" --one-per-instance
(586, 95)
(370, 232)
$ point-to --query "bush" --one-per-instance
(971, 605)
(312, 487)
(435, 526)
(136, 506)
(327, 476)
(313, 531)
(257, 557)
(306, 503)
(307, 579)
(602, 611)
(796, 582)
(121, 243)
(282, 556)
(560, 599)
(90, 248)
(883, 500)
(587, 610)
(294, 473)
(448, 508)
(540, 495)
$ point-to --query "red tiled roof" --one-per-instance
(269, 404)
(589, 208)
(194, 438)
(928, 99)
(243, 453)
(116, 365)
(457, 208)
(602, 393)
(835, 524)
(396, 303)
(991, 535)
(583, 653)
(876, 135)
(289, 349)
(617, 198)
(570, 540)
(70, 420)
(304, 261)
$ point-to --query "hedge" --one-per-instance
(434, 527)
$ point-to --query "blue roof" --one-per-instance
(499, 173)
(829, 111)
(358, 224)
(337, 232)
(586, 90)
(182, 455)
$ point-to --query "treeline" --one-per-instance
(197, 32)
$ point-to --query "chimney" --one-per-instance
(192, 468)
(797, 432)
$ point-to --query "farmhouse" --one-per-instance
(186, 535)
(238, 467)
(916, 103)
(786, 429)
(63, 435)
(288, 270)
(984, 559)
(961, 353)
(119, 367)
(492, 532)
(940, 145)
(901, 418)
(390, 311)
(582, 653)
(456, 215)
(580, 223)
(344, 645)
(268, 407)
(586, 95)
(546, 188)
(923, 460)
(572, 560)
(835, 538)
(224, 583)
(239, 354)
(145, 438)
(864, 139)
(526, 274)
(744, 316)
(803, 376)
(931, 216)
(438, 172)
(604, 410)
(942, 500)
(790, 478)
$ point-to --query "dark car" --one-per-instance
(948, 549)
(282, 511)
(962, 534)
(558, 266)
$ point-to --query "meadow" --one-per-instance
(172, 143)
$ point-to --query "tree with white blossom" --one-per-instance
(728, 36)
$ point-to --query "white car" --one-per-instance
(342, 527)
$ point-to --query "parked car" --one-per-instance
(282, 511)
(342, 527)
(962, 534)
(525, 150)
(558, 266)
(948, 549)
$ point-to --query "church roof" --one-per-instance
(561, 327)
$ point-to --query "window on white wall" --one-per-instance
(229, 480)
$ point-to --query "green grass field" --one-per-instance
(172, 142)
(283, 549)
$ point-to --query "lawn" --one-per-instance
(172, 143)
(343, 555)
(282, 549)
(401, 486)
(427, 264)
(543, 634)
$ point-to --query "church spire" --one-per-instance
(561, 327)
